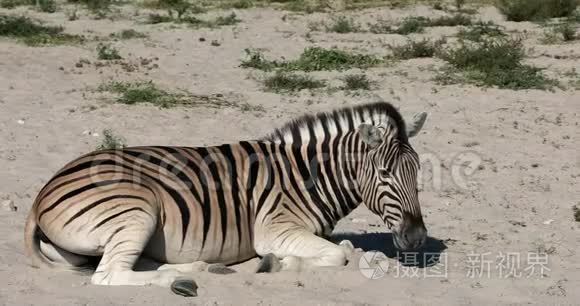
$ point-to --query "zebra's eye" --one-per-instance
(384, 173)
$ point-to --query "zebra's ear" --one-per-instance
(371, 135)
(416, 124)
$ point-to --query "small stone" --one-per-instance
(8, 205)
(215, 43)
(201, 39)
(184, 287)
(20, 121)
(548, 222)
(220, 269)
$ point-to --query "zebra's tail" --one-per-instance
(33, 237)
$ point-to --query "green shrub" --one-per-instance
(481, 30)
(10, 4)
(289, 82)
(416, 49)
(111, 141)
(317, 59)
(418, 24)
(343, 25)
(357, 82)
(97, 7)
(450, 21)
(312, 59)
(128, 34)
(534, 10)
(559, 33)
(143, 92)
(255, 59)
(107, 52)
(47, 6)
(132, 93)
(33, 33)
(494, 62)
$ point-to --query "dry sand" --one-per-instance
(514, 195)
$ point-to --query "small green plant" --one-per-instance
(312, 59)
(416, 49)
(107, 52)
(143, 92)
(559, 33)
(219, 21)
(111, 141)
(290, 82)
(132, 93)
(412, 25)
(47, 6)
(33, 33)
(492, 62)
(481, 30)
(343, 25)
(255, 59)
(576, 211)
(100, 8)
(226, 20)
(437, 5)
(318, 59)
(239, 4)
(450, 21)
(155, 18)
(459, 4)
(407, 26)
(10, 4)
(306, 6)
(568, 31)
(418, 24)
(536, 10)
(128, 34)
(176, 8)
(357, 82)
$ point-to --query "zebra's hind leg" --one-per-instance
(299, 249)
(124, 245)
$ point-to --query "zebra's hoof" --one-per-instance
(220, 269)
(269, 264)
(184, 287)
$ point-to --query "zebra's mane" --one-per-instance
(341, 120)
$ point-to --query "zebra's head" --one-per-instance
(389, 181)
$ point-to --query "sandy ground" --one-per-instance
(500, 168)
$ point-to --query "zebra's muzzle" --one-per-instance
(411, 237)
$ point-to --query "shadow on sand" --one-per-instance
(428, 255)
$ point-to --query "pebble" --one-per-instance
(8, 205)
(220, 269)
(20, 121)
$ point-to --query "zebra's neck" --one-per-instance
(328, 172)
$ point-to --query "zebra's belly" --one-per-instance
(164, 248)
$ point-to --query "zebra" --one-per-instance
(276, 197)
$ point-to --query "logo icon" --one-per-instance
(373, 265)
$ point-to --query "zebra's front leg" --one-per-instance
(299, 249)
